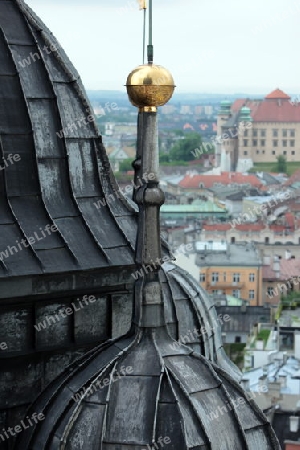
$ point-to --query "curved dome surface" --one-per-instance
(192, 319)
(63, 172)
(47, 123)
(130, 393)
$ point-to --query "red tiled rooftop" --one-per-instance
(290, 220)
(293, 178)
(226, 178)
(283, 111)
(217, 227)
(277, 228)
(288, 268)
(238, 104)
(277, 94)
(275, 107)
(228, 226)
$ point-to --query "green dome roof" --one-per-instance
(245, 114)
(225, 107)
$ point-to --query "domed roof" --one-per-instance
(142, 388)
(225, 107)
(245, 110)
(62, 171)
(245, 114)
(191, 317)
(134, 391)
(59, 179)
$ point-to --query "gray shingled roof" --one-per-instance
(57, 180)
(162, 391)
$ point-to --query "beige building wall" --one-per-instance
(267, 140)
(250, 284)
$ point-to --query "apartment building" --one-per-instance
(230, 269)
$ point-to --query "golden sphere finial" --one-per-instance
(150, 85)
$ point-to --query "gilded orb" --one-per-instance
(150, 85)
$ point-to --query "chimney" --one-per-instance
(274, 389)
(288, 254)
(294, 424)
(276, 266)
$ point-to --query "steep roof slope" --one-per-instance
(62, 171)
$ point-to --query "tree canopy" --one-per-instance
(281, 164)
(184, 148)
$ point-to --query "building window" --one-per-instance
(262, 142)
(263, 152)
(275, 143)
(292, 143)
(274, 133)
(284, 143)
(257, 152)
(284, 152)
(245, 152)
(273, 152)
(251, 277)
(267, 240)
(251, 294)
(202, 277)
(284, 133)
(224, 276)
(293, 152)
(292, 133)
(232, 240)
(246, 133)
(263, 133)
(254, 142)
(236, 277)
(270, 292)
(254, 134)
(245, 142)
(215, 277)
(236, 293)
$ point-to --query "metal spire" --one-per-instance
(150, 44)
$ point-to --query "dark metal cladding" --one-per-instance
(60, 177)
(134, 391)
(62, 170)
(192, 319)
(128, 393)
(145, 390)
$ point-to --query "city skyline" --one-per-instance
(216, 47)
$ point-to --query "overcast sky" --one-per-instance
(213, 46)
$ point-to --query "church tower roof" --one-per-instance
(143, 388)
(56, 166)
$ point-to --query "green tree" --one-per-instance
(164, 157)
(281, 164)
(125, 165)
(184, 149)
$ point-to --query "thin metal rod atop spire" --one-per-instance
(150, 45)
(144, 35)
